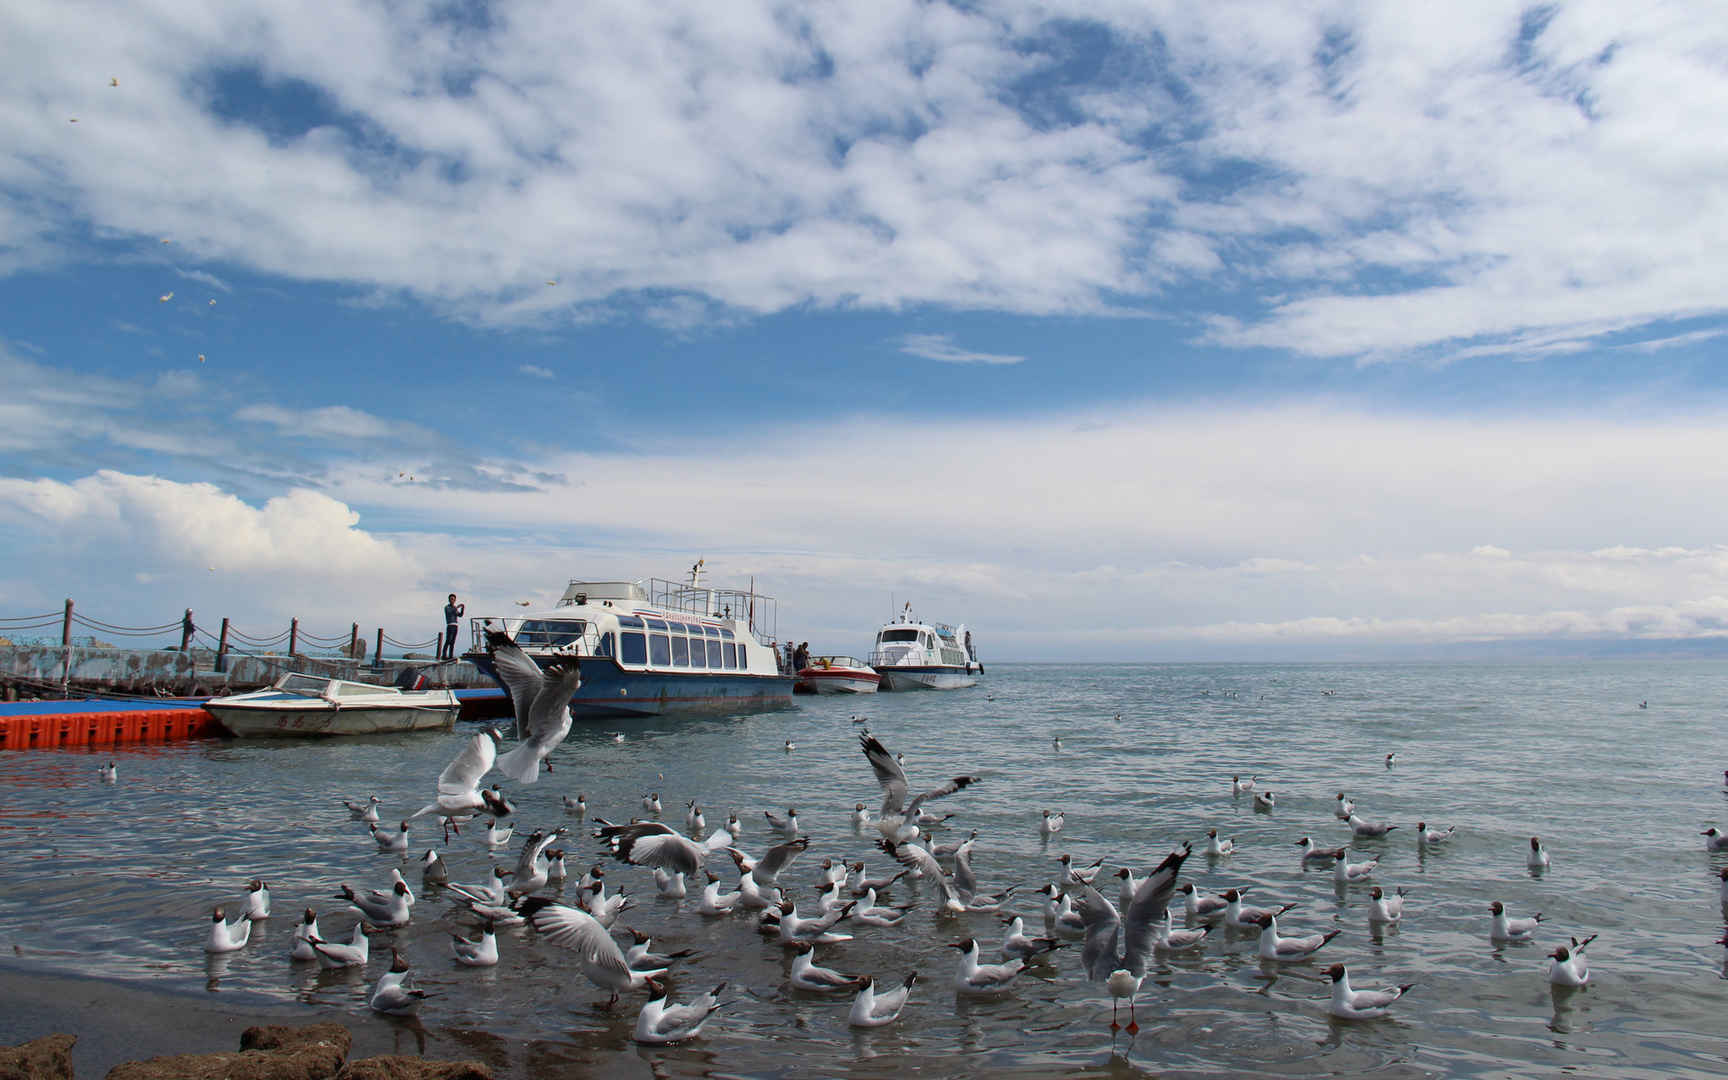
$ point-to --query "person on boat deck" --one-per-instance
(452, 612)
(801, 657)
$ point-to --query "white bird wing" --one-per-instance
(1103, 927)
(1374, 999)
(920, 859)
(465, 771)
(888, 773)
(601, 958)
(1146, 911)
(891, 1002)
(942, 790)
(776, 859)
(661, 848)
(521, 676)
(685, 1018)
(964, 879)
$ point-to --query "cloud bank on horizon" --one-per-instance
(1334, 189)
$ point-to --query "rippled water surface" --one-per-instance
(122, 876)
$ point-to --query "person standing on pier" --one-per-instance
(186, 629)
(452, 613)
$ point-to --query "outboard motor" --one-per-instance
(410, 679)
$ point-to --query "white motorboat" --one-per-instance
(914, 655)
(315, 705)
(837, 675)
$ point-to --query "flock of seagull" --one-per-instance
(1118, 938)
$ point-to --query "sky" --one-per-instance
(1118, 331)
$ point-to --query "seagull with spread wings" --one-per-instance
(540, 700)
(1136, 928)
(459, 794)
(898, 818)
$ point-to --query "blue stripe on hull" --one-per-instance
(609, 690)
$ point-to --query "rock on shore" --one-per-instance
(47, 1058)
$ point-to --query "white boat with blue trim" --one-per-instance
(913, 655)
(653, 646)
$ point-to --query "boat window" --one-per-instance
(698, 653)
(549, 633)
(630, 620)
(680, 650)
(898, 635)
(633, 648)
(656, 624)
(659, 650)
(726, 631)
(731, 656)
(743, 662)
(604, 648)
(713, 631)
(302, 684)
(714, 655)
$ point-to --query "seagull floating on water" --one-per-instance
(1383, 908)
(366, 811)
(808, 975)
(1714, 839)
(1349, 1004)
(336, 955)
(1239, 786)
(1265, 800)
(1369, 830)
(870, 1009)
(1425, 835)
(388, 840)
(477, 952)
(1348, 873)
(1248, 918)
(433, 869)
(1288, 950)
(972, 979)
(257, 900)
(1570, 967)
(1538, 857)
(109, 773)
(1216, 848)
(1344, 808)
(660, 1022)
(393, 996)
(227, 936)
(1051, 823)
(1506, 928)
(1312, 852)
(305, 932)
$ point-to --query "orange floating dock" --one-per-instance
(31, 725)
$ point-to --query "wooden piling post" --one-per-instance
(378, 650)
(66, 624)
(222, 647)
(66, 651)
(439, 651)
(353, 640)
(293, 636)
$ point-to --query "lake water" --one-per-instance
(121, 877)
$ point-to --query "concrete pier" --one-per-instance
(39, 671)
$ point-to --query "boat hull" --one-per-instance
(814, 681)
(265, 722)
(928, 677)
(610, 690)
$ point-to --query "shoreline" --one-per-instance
(117, 1021)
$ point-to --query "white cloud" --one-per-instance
(538, 372)
(330, 422)
(204, 277)
(938, 347)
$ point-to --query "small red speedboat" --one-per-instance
(837, 675)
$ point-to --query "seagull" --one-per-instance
(1289, 949)
(1344, 808)
(670, 886)
(734, 826)
(556, 870)
(1015, 943)
(391, 996)
(1369, 830)
(660, 1023)
(459, 794)
(790, 746)
(899, 811)
(808, 975)
(1389, 758)
(966, 882)
(1248, 918)
(713, 901)
(391, 912)
(1052, 823)
(433, 870)
(165, 297)
(870, 1009)
(1725, 886)
(787, 825)
(795, 929)
(1383, 908)
(1059, 914)
(651, 802)
(498, 837)
(366, 811)
(1714, 839)
(532, 873)
(1168, 939)
(495, 892)
(391, 841)
(973, 979)
(1202, 906)
(870, 913)
(860, 817)
(651, 843)
(1348, 873)
(1216, 848)
(599, 957)
(640, 958)
(1265, 800)
(540, 700)
(1506, 928)
(478, 952)
(109, 773)
(766, 870)
(1123, 983)
(577, 806)
(336, 955)
(694, 821)
(926, 868)
(227, 936)
(1348, 1004)
(1125, 894)
(1135, 927)
(1056, 743)
(1239, 786)
(1425, 835)
(1538, 857)
(305, 931)
(1086, 874)
(1570, 967)
(1312, 853)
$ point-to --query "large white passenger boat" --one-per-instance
(653, 646)
(914, 655)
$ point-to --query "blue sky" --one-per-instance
(1123, 330)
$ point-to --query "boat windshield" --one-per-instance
(549, 633)
(838, 662)
(898, 635)
(303, 684)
